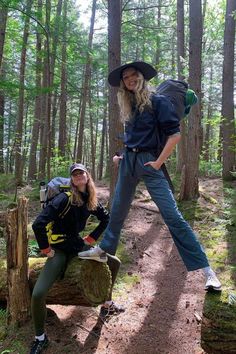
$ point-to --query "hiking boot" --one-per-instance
(213, 283)
(38, 346)
(95, 254)
(111, 310)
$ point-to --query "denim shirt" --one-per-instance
(146, 130)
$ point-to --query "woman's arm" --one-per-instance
(172, 141)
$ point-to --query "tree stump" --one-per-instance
(17, 263)
(85, 283)
(218, 330)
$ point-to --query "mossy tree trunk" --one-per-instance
(218, 331)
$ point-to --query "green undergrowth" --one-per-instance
(125, 279)
(214, 220)
(13, 343)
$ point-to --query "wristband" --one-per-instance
(89, 239)
(46, 250)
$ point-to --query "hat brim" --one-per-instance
(78, 169)
(146, 69)
(78, 166)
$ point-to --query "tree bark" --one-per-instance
(206, 141)
(20, 116)
(85, 283)
(86, 86)
(3, 22)
(62, 138)
(92, 141)
(189, 189)
(44, 123)
(115, 126)
(53, 55)
(181, 149)
(17, 265)
(228, 123)
(32, 171)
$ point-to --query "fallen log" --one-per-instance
(218, 329)
(85, 283)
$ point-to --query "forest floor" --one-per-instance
(163, 305)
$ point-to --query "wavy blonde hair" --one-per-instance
(92, 194)
(140, 98)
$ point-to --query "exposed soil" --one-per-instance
(162, 309)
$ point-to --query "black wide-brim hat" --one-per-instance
(146, 69)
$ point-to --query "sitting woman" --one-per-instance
(57, 230)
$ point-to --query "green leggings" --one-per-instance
(51, 271)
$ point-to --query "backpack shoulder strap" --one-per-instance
(67, 207)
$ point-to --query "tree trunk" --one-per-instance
(86, 85)
(92, 142)
(20, 116)
(104, 128)
(44, 127)
(115, 127)
(17, 265)
(62, 138)
(158, 40)
(218, 329)
(206, 142)
(181, 149)
(228, 123)
(85, 283)
(32, 172)
(2, 105)
(189, 189)
(3, 22)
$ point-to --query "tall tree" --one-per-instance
(86, 85)
(32, 171)
(114, 45)
(91, 129)
(20, 116)
(3, 22)
(228, 123)
(189, 183)
(62, 117)
(45, 129)
(181, 150)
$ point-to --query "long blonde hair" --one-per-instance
(140, 98)
(92, 194)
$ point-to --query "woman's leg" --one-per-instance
(52, 269)
(124, 194)
(185, 239)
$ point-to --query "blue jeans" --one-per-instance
(131, 171)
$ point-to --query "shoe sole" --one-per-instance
(100, 260)
(213, 288)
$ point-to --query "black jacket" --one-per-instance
(62, 231)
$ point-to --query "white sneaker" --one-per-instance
(213, 283)
(95, 254)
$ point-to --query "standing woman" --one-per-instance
(57, 231)
(147, 118)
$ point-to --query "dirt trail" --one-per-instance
(161, 309)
